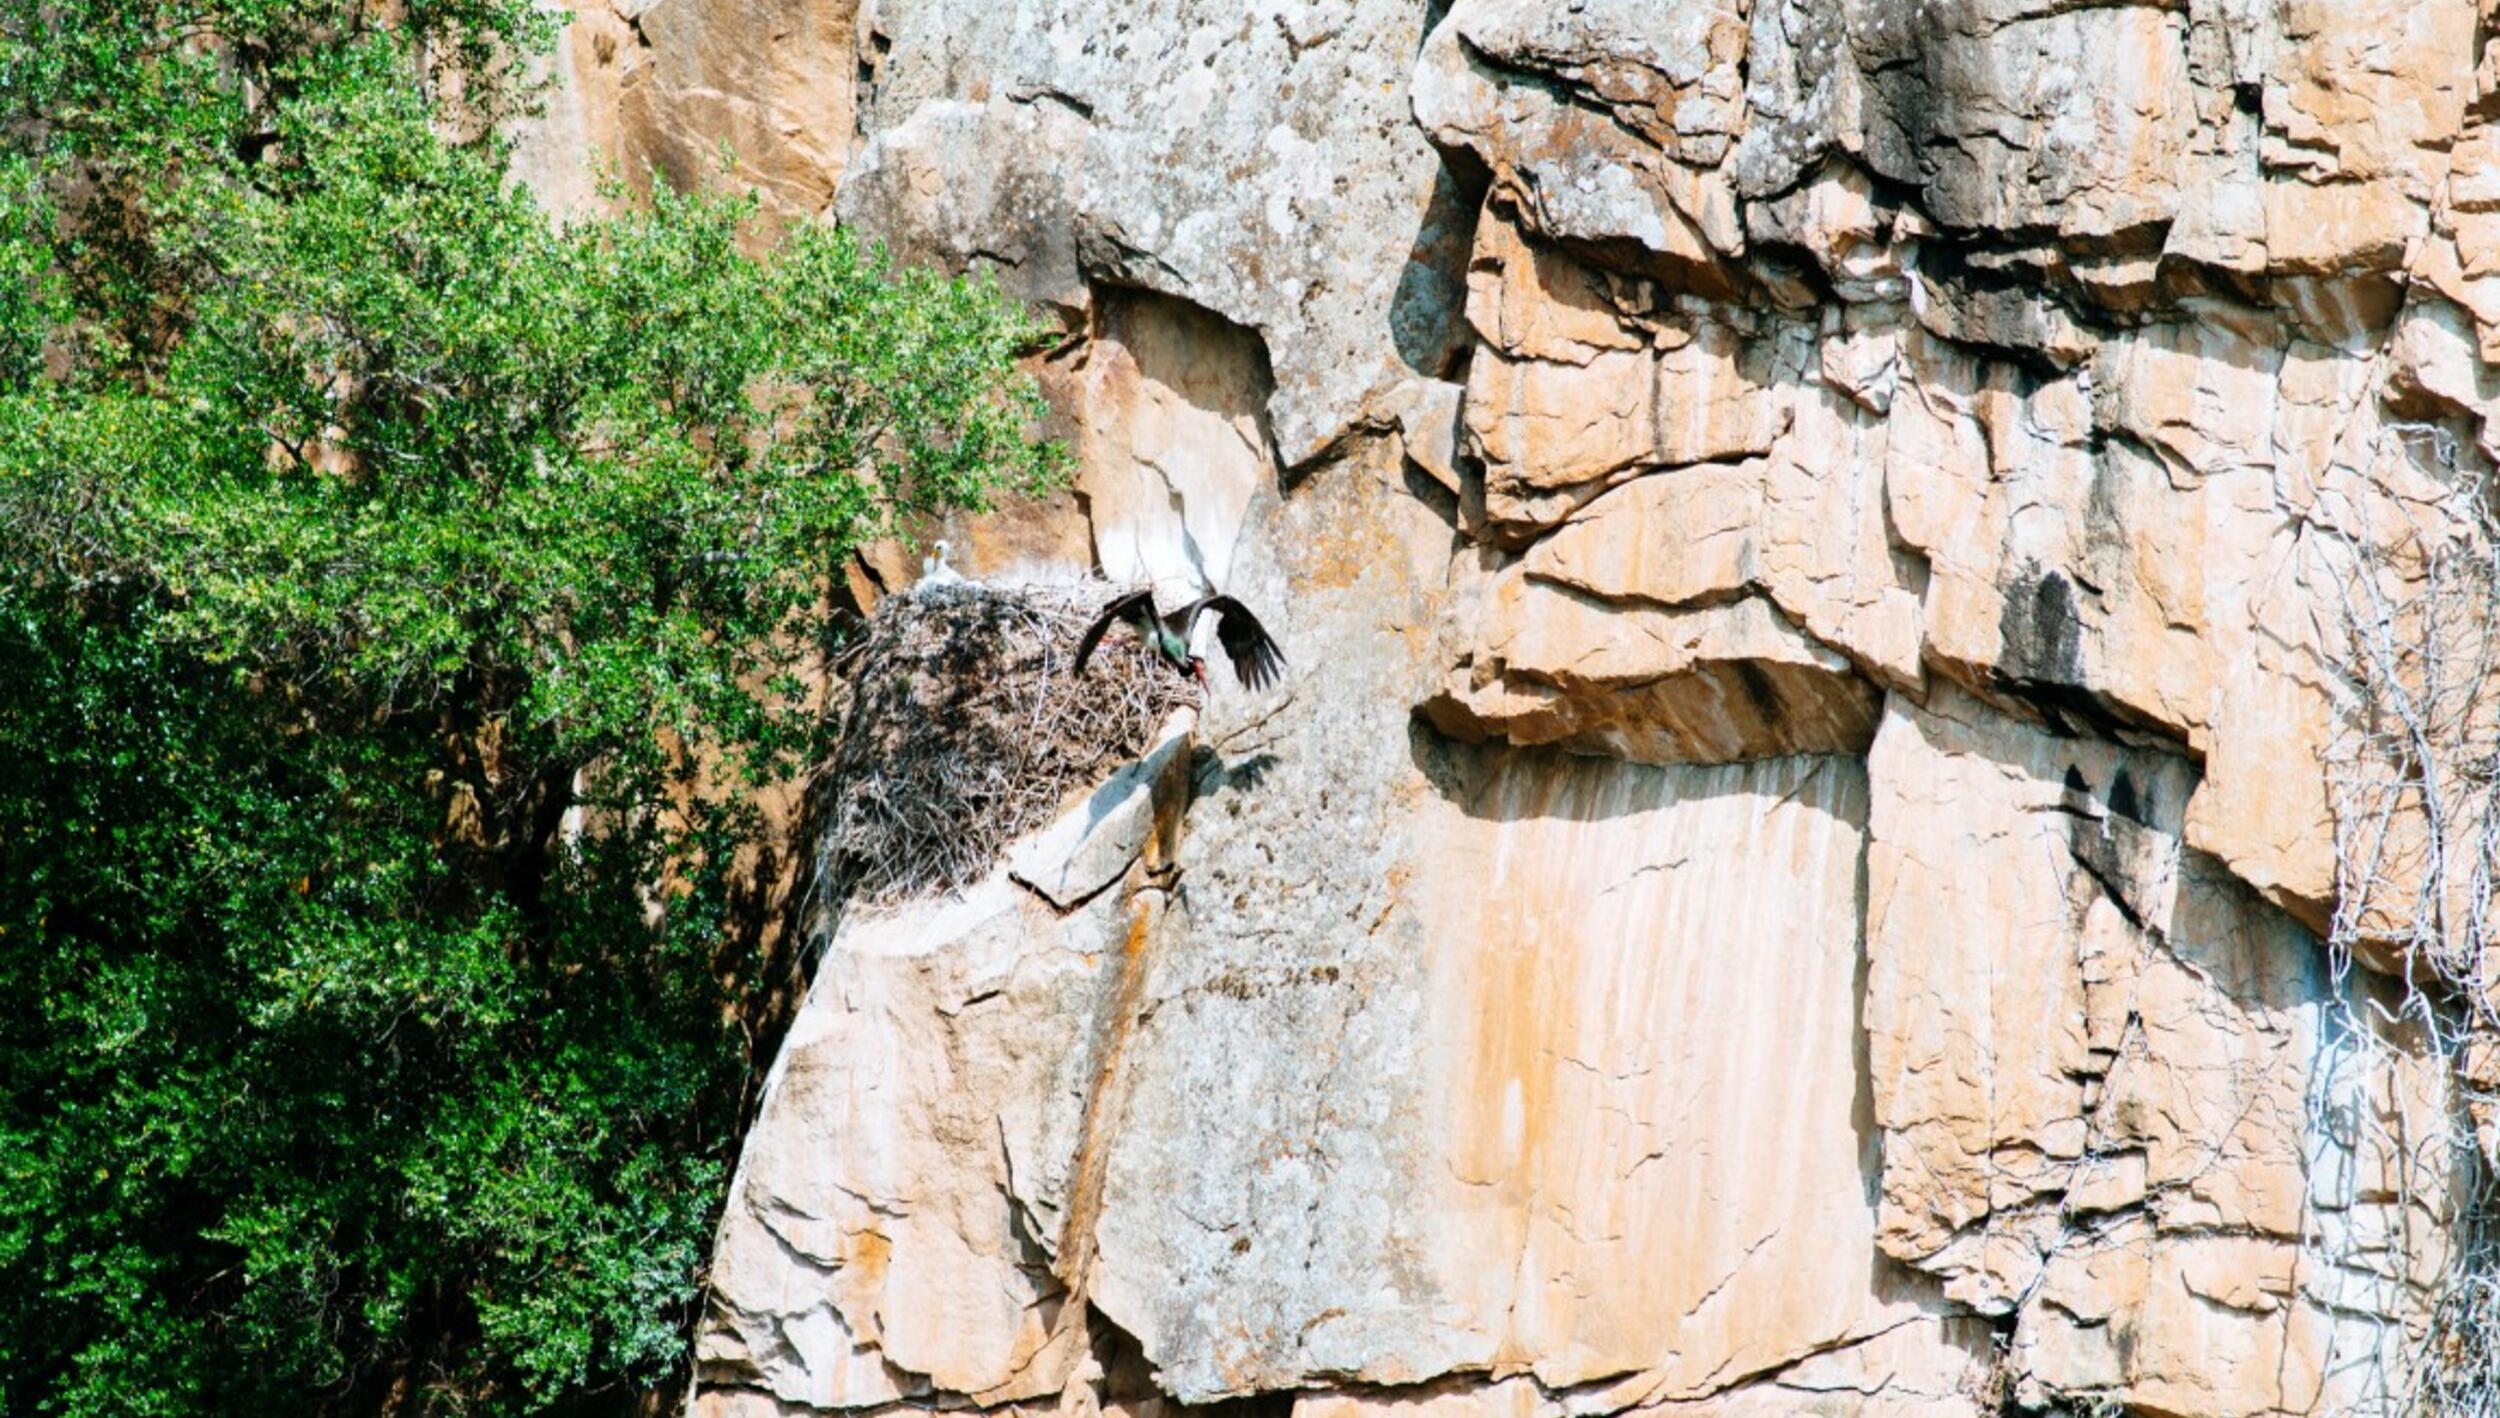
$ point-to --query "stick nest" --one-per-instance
(966, 728)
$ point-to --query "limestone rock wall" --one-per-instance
(1786, 878)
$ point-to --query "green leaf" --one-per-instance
(406, 595)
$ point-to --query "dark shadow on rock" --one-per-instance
(1421, 486)
(1212, 775)
(1582, 787)
(1428, 311)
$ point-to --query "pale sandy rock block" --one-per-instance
(2126, 569)
(1806, 527)
(2361, 103)
(1254, 1217)
(2457, 263)
(1570, 1110)
(2263, 808)
(1972, 1054)
(1542, 426)
(1707, 683)
(1936, 450)
(2069, 1341)
(771, 80)
(2360, 90)
(1677, 75)
(2474, 171)
(1631, 970)
(957, 176)
(2463, 260)
(558, 150)
(2338, 228)
(1428, 417)
(1535, 302)
(2223, 224)
(1828, 555)
(871, 1248)
(741, 1403)
(2438, 370)
(1092, 844)
(1574, 170)
(1931, 1365)
(2120, 1093)
(664, 85)
(1672, 538)
(1923, 1367)
(2202, 392)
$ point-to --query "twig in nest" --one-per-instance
(967, 728)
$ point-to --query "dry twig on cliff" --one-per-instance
(967, 728)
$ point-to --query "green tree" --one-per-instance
(399, 592)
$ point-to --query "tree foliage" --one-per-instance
(398, 591)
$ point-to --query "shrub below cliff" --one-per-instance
(402, 594)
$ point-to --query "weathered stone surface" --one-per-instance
(1709, 683)
(1595, 1041)
(1269, 1122)
(2007, 120)
(1092, 844)
(956, 178)
(1541, 425)
(662, 86)
(1994, 399)
(1581, 173)
(873, 1250)
(1255, 162)
(1541, 1108)
(1920, 1368)
(2129, 1121)
(1172, 438)
(1676, 76)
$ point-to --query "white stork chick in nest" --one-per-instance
(934, 571)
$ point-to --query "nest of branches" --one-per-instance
(966, 728)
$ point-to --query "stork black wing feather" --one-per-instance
(1117, 610)
(1257, 662)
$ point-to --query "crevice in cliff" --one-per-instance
(1044, 93)
(1123, 1013)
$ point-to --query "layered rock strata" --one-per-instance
(1815, 538)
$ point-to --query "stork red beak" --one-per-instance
(1198, 667)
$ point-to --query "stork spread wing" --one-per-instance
(1124, 608)
(1257, 663)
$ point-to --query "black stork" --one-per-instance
(1257, 663)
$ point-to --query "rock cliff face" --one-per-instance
(1815, 538)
